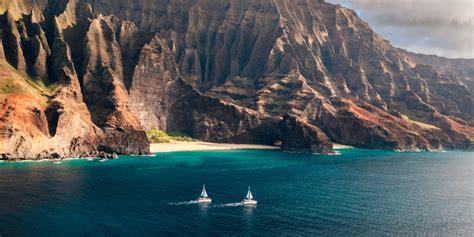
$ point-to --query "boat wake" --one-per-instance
(236, 204)
(182, 203)
(229, 205)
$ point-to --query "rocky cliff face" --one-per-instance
(220, 71)
(278, 57)
(162, 99)
(50, 110)
(298, 136)
(462, 69)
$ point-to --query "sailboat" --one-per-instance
(204, 198)
(248, 200)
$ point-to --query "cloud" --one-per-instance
(442, 27)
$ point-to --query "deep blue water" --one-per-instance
(360, 192)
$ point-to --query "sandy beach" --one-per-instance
(210, 146)
(203, 146)
(341, 146)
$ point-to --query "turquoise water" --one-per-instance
(360, 192)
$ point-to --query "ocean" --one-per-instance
(356, 193)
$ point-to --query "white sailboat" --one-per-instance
(204, 198)
(248, 200)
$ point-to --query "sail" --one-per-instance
(204, 193)
(249, 195)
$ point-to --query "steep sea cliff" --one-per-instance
(79, 77)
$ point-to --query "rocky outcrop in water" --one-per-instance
(80, 76)
(299, 136)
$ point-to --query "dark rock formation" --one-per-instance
(154, 86)
(299, 136)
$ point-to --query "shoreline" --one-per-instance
(178, 146)
(341, 146)
(47, 160)
(175, 146)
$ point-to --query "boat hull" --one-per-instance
(248, 202)
(204, 200)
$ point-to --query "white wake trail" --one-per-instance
(182, 203)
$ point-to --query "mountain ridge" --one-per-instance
(227, 71)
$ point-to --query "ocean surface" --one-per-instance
(357, 193)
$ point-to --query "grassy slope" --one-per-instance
(157, 136)
(13, 82)
(421, 124)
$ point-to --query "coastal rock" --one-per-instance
(296, 135)
(217, 121)
(104, 91)
(154, 85)
(5, 156)
(37, 121)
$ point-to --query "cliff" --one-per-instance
(81, 76)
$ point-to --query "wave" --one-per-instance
(408, 150)
(335, 153)
(419, 150)
(438, 150)
(149, 155)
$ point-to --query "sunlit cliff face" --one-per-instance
(441, 27)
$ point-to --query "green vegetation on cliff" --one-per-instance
(44, 89)
(13, 81)
(421, 124)
(8, 86)
(157, 136)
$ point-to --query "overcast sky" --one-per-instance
(441, 27)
